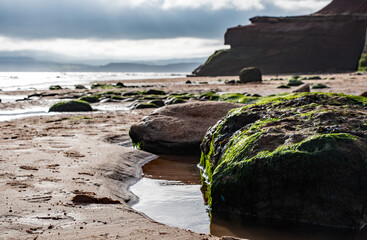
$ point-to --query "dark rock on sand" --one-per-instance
(55, 87)
(71, 106)
(157, 102)
(132, 93)
(250, 74)
(178, 129)
(90, 199)
(319, 86)
(303, 88)
(174, 100)
(143, 105)
(90, 99)
(80, 87)
(296, 157)
(155, 92)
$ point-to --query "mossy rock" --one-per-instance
(319, 86)
(174, 100)
(131, 93)
(144, 105)
(90, 99)
(284, 86)
(102, 85)
(297, 157)
(117, 97)
(157, 102)
(314, 78)
(154, 92)
(120, 85)
(71, 106)
(55, 87)
(212, 96)
(80, 87)
(294, 82)
(250, 74)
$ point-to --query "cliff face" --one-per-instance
(345, 7)
(330, 40)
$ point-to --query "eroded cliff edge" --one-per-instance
(330, 40)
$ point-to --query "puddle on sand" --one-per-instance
(170, 193)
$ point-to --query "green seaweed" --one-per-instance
(90, 99)
(294, 82)
(319, 86)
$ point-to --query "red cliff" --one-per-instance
(330, 40)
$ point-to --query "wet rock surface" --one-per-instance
(178, 129)
(296, 157)
(71, 106)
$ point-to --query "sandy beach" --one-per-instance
(49, 163)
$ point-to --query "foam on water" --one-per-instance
(10, 81)
(7, 115)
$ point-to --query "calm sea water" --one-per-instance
(10, 81)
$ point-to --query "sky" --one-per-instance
(129, 30)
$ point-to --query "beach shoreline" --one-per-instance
(46, 161)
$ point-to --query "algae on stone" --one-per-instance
(71, 106)
(270, 159)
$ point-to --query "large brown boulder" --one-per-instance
(330, 40)
(178, 129)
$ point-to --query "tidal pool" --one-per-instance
(170, 193)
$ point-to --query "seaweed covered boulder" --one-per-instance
(296, 157)
(178, 129)
(71, 106)
(250, 74)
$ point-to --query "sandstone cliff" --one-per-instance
(330, 40)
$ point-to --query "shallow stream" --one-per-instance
(170, 193)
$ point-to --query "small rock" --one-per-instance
(131, 93)
(120, 85)
(71, 106)
(174, 100)
(250, 74)
(303, 88)
(88, 199)
(319, 86)
(80, 87)
(155, 92)
(55, 87)
(230, 82)
(157, 102)
(364, 94)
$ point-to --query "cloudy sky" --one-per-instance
(130, 30)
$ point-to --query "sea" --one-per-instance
(19, 81)
(12, 81)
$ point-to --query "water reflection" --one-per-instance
(170, 193)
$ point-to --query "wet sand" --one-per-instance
(46, 161)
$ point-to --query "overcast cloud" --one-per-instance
(118, 28)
